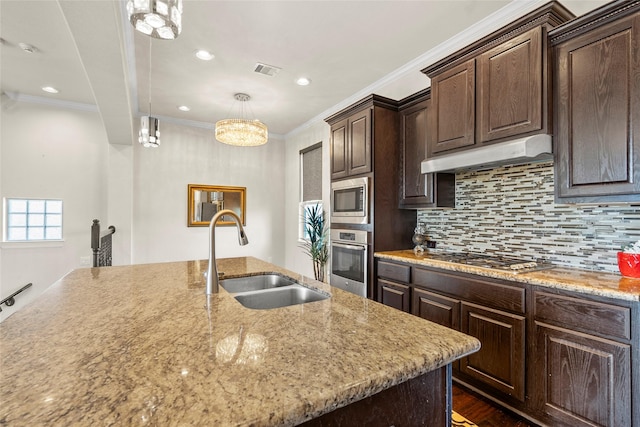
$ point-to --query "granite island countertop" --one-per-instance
(144, 345)
(602, 284)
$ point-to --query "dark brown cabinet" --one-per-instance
(582, 378)
(393, 285)
(510, 88)
(453, 118)
(420, 190)
(558, 357)
(500, 362)
(437, 308)
(365, 142)
(496, 88)
(597, 103)
(394, 295)
(351, 145)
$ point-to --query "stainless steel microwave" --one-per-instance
(350, 201)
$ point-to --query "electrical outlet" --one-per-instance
(431, 244)
(85, 261)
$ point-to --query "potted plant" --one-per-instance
(315, 242)
(629, 260)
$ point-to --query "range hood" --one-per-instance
(530, 149)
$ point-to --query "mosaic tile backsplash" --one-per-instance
(510, 211)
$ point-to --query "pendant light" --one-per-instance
(149, 134)
(161, 19)
(242, 132)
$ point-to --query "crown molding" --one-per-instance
(512, 11)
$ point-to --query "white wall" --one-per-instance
(295, 259)
(191, 155)
(50, 153)
(47, 152)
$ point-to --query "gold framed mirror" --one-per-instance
(204, 201)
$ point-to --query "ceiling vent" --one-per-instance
(269, 70)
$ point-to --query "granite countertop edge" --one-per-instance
(587, 282)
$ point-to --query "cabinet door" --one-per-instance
(453, 118)
(437, 308)
(394, 295)
(500, 362)
(583, 380)
(597, 103)
(359, 143)
(417, 188)
(510, 87)
(339, 150)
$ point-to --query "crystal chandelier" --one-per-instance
(242, 132)
(161, 19)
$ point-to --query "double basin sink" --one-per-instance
(267, 291)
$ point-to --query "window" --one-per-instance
(32, 220)
(310, 184)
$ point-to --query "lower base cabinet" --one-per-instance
(437, 308)
(559, 358)
(500, 361)
(394, 295)
(585, 380)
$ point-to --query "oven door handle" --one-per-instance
(354, 247)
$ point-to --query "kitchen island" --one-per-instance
(144, 345)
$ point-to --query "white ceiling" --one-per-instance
(89, 51)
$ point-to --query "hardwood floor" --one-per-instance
(484, 412)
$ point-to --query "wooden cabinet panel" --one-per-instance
(482, 291)
(393, 271)
(351, 145)
(583, 315)
(436, 308)
(510, 87)
(583, 380)
(360, 145)
(415, 185)
(394, 295)
(339, 150)
(597, 101)
(420, 190)
(500, 363)
(453, 119)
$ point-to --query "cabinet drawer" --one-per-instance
(583, 315)
(388, 270)
(485, 292)
(394, 295)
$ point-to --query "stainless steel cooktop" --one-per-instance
(511, 265)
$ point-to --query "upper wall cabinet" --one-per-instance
(597, 105)
(496, 88)
(453, 118)
(351, 145)
(511, 79)
(418, 190)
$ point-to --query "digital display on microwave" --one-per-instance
(348, 200)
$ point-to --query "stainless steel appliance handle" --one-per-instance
(354, 247)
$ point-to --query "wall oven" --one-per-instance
(350, 201)
(349, 260)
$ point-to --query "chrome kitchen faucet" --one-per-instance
(212, 269)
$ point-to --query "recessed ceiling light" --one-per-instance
(184, 108)
(205, 55)
(50, 89)
(26, 47)
(303, 81)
